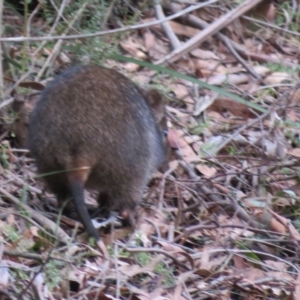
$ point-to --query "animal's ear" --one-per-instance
(156, 102)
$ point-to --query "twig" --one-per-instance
(28, 23)
(32, 280)
(184, 1)
(21, 181)
(7, 295)
(62, 236)
(205, 190)
(29, 220)
(118, 286)
(265, 24)
(196, 22)
(241, 251)
(33, 256)
(158, 234)
(106, 16)
(216, 26)
(161, 251)
(175, 43)
(240, 50)
(59, 15)
(237, 132)
(232, 50)
(265, 280)
(188, 230)
(55, 51)
(287, 224)
(162, 184)
(60, 11)
(7, 101)
(20, 39)
(8, 92)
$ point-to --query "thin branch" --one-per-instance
(58, 17)
(270, 25)
(62, 236)
(237, 132)
(107, 15)
(175, 43)
(215, 27)
(20, 39)
(55, 51)
(238, 51)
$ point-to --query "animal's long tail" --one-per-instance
(77, 190)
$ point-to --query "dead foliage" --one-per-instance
(222, 222)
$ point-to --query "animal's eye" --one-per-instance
(165, 132)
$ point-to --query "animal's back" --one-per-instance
(96, 116)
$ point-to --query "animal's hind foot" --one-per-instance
(113, 220)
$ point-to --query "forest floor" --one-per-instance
(223, 221)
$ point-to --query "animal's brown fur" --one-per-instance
(96, 129)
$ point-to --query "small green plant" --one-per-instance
(121, 252)
(23, 198)
(232, 150)
(138, 240)
(263, 93)
(167, 272)
(53, 273)
(24, 194)
(288, 171)
(143, 258)
(92, 242)
(10, 232)
(252, 256)
(282, 68)
(4, 156)
(19, 276)
(224, 127)
(296, 217)
(197, 130)
(291, 136)
(285, 12)
(124, 253)
(207, 148)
